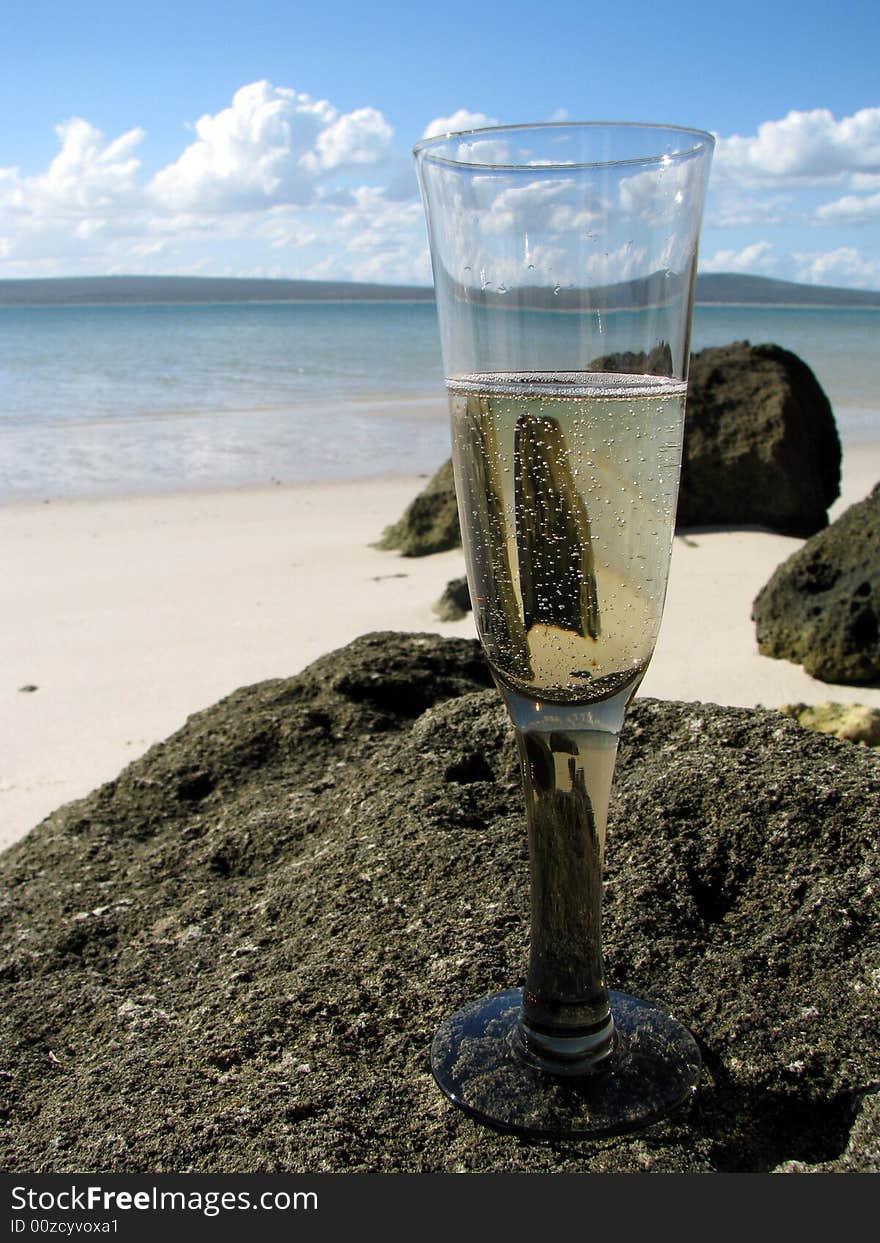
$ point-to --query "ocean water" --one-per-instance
(115, 399)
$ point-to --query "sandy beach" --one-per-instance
(128, 614)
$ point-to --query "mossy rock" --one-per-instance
(430, 523)
(821, 607)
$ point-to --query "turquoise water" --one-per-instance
(104, 399)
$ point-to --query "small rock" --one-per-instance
(430, 523)
(455, 602)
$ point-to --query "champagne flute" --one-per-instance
(564, 260)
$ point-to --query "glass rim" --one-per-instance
(701, 140)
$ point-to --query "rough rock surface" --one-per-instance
(430, 523)
(854, 722)
(821, 607)
(760, 448)
(761, 445)
(233, 957)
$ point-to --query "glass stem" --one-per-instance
(567, 755)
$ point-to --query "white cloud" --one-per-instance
(865, 181)
(359, 137)
(270, 146)
(651, 195)
(811, 146)
(381, 239)
(89, 226)
(79, 207)
(87, 173)
(282, 181)
(758, 258)
(851, 209)
(808, 168)
(843, 266)
(733, 210)
(625, 262)
(481, 150)
(575, 217)
(456, 122)
(284, 233)
(526, 208)
(273, 149)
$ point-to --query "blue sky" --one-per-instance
(273, 138)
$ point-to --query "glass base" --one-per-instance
(654, 1068)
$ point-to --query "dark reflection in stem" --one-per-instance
(565, 993)
(557, 572)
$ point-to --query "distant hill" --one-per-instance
(718, 287)
(756, 290)
(58, 290)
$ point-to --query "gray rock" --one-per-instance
(430, 523)
(233, 957)
(821, 607)
(761, 445)
(455, 602)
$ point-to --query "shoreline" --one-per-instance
(853, 453)
(425, 410)
(129, 613)
(206, 491)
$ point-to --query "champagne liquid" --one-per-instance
(567, 486)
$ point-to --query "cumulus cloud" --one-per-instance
(268, 147)
(810, 146)
(737, 211)
(530, 207)
(272, 149)
(482, 150)
(650, 195)
(625, 262)
(456, 122)
(88, 173)
(865, 181)
(81, 205)
(851, 209)
(758, 258)
(359, 137)
(842, 266)
(381, 239)
(808, 168)
(281, 179)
